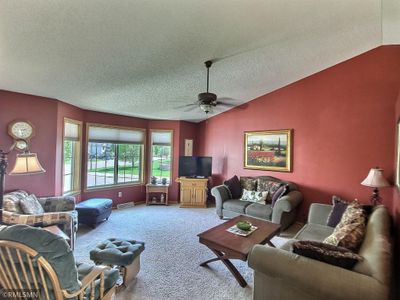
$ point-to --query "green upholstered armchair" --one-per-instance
(33, 259)
(58, 211)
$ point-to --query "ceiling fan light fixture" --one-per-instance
(206, 107)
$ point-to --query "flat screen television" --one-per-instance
(195, 166)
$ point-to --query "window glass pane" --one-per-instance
(110, 164)
(71, 156)
(69, 162)
(161, 162)
(129, 165)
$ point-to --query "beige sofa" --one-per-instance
(281, 274)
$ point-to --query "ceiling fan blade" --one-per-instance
(226, 104)
(226, 99)
(190, 108)
(186, 105)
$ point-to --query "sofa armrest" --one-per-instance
(318, 213)
(286, 203)
(221, 194)
(318, 279)
(57, 204)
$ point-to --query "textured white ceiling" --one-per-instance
(143, 58)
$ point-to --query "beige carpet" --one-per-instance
(170, 263)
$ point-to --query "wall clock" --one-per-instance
(21, 130)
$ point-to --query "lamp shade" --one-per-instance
(375, 179)
(27, 163)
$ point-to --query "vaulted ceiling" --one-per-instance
(145, 58)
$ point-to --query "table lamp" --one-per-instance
(26, 163)
(375, 180)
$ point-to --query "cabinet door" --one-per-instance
(199, 195)
(186, 195)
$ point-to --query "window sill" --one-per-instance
(111, 187)
(72, 193)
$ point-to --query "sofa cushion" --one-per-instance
(337, 256)
(234, 187)
(350, 231)
(254, 196)
(236, 205)
(339, 207)
(314, 232)
(248, 183)
(31, 206)
(259, 211)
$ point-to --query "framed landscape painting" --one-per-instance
(268, 150)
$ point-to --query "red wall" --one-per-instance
(42, 113)
(343, 121)
(48, 117)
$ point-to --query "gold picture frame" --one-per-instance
(269, 150)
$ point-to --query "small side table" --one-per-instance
(157, 188)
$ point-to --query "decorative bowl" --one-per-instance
(244, 225)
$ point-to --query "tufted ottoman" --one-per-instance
(125, 254)
(93, 211)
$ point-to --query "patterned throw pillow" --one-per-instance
(339, 207)
(233, 185)
(11, 204)
(350, 231)
(265, 184)
(254, 196)
(333, 255)
(248, 183)
(31, 206)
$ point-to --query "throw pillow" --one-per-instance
(350, 231)
(333, 255)
(11, 204)
(282, 191)
(266, 184)
(254, 196)
(339, 207)
(234, 187)
(31, 206)
(248, 183)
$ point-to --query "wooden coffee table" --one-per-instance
(226, 245)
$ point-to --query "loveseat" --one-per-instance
(283, 211)
(281, 274)
(58, 211)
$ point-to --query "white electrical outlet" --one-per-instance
(119, 194)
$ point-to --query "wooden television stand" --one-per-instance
(193, 192)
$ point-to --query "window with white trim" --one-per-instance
(115, 156)
(161, 154)
(72, 156)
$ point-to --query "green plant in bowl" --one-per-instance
(244, 225)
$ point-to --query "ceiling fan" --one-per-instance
(207, 101)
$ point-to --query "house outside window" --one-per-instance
(115, 156)
(161, 155)
(72, 152)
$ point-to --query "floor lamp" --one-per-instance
(26, 163)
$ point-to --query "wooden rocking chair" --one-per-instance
(23, 268)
